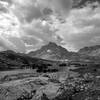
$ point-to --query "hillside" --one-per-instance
(11, 60)
(91, 51)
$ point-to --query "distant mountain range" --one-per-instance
(53, 51)
(47, 56)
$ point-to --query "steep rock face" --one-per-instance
(50, 51)
(91, 51)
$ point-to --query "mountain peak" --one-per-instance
(50, 51)
(52, 44)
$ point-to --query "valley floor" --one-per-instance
(71, 83)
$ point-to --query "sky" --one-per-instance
(26, 25)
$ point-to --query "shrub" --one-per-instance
(62, 65)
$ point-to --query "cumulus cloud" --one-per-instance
(34, 9)
(41, 32)
(21, 23)
(81, 28)
(58, 6)
(8, 28)
(26, 25)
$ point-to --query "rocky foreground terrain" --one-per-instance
(72, 83)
